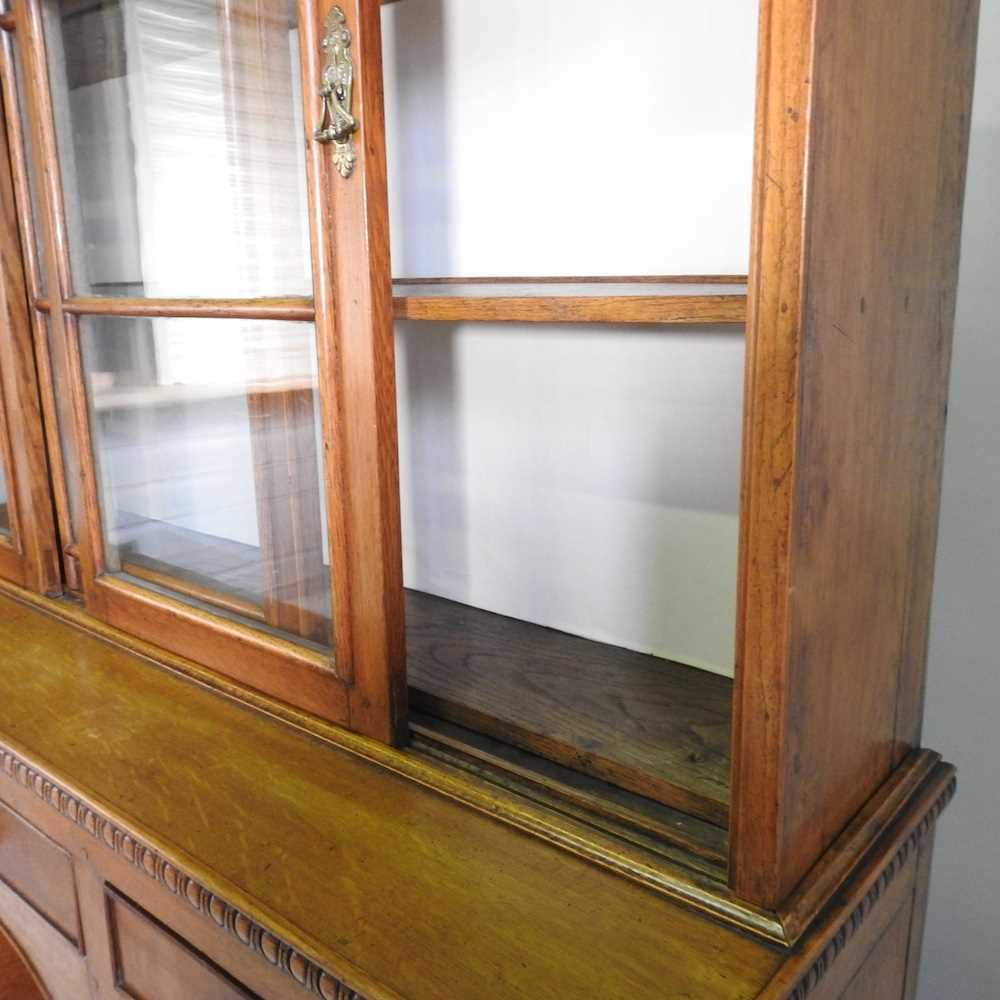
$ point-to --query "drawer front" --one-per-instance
(40, 872)
(151, 962)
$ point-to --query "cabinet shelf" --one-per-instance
(649, 725)
(670, 833)
(686, 300)
(654, 300)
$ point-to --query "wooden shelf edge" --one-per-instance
(598, 279)
(665, 310)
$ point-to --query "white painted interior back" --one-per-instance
(584, 478)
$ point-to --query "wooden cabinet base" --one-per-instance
(188, 844)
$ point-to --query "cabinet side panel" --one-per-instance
(887, 148)
(882, 975)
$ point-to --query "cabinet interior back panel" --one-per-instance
(581, 478)
(570, 137)
(584, 478)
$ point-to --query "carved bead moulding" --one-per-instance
(840, 940)
(227, 917)
(317, 980)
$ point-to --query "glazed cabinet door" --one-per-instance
(211, 356)
(28, 545)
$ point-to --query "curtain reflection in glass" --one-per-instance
(207, 444)
(180, 138)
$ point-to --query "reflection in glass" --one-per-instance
(207, 445)
(4, 512)
(180, 135)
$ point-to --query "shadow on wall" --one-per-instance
(430, 442)
(963, 695)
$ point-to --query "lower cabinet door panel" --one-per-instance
(153, 963)
(883, 975)
(40, 872)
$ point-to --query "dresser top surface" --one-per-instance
(364, 868)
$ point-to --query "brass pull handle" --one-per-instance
(337, 124)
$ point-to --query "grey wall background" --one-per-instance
(962, 946)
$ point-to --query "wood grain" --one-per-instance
(23, 443)
(77, 452)
(930, 409)
(41, 872)
(851, 311)
(773, 325)
(633, 817)
(594, 279)
(262, 661)
(17, 978)
(45, 951)
(287, 478)
(172, 580)
(918, 919)
(275, 666)
(19, 143)
(324, 834)
(643, 309)
(800, 909)
(354, 329)
(594, 307)
(287, 308)
(151, 961)
(826, 959)
(884, 970)
(654, 727)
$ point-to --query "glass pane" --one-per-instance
(181, 141)
(63, 393)
(206, 436)
(4, 512)
(569, 137)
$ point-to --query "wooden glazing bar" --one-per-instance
(7, 21)
(227, 602)
(32, 267)
(87, 533)
(294, 309)
(24, 445)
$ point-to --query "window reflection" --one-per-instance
(180, 139)
(207, 444)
